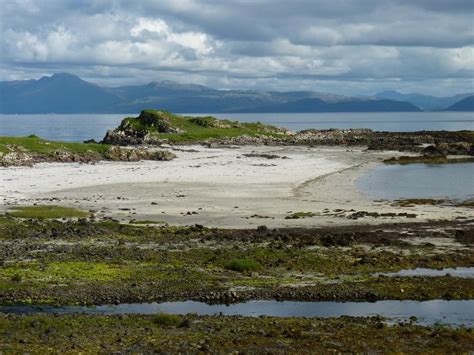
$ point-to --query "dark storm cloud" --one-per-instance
(425, 45)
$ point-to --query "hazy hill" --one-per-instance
(466, 104)
(66, 93)
(349, 105)
(425, 102)
(60, 93)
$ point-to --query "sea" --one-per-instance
(79, 127)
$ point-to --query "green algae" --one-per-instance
(46, 212)
(86, 262)
(193, 334)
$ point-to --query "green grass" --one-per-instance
(243, 265)
(36, 145)
(67, 271)
(47, 212)
(198, 128)
(16, 278)
(168, 320)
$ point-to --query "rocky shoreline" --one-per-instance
(142, 137)
(18, 157)
(424, 142)
(159, 127)
(132, 264)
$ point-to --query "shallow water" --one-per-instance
(463, 272)
(455, 313)
(79, 127)
(452, 181)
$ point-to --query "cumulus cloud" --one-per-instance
(344, 46)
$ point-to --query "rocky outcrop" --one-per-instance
(116, 153)
(149, 127)
(144, 129)
(63, 156)
(332, 137)
(434, 142)
(244, 140)
(15, 159)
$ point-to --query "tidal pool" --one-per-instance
(452, 181)
(456, 313)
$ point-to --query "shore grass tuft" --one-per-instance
(243, 265)
(167, 320)
(16, 278)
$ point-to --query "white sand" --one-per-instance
(223, 187)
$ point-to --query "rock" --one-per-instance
(35, 324)
(145, 129)
(266, 156)
(116, 153)
(62, 155)
(16, 158)
(186, 323)
(433, 151)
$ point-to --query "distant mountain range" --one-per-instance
(66, 93)
(465, 104)
(425, 102)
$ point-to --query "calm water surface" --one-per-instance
(79, 127)
(428, 312)
(419, 181)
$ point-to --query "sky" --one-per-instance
(350, 47)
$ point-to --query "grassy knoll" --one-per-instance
(160, 125)
(36, 145)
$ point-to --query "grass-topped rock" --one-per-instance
(154, 127)
(26, 151)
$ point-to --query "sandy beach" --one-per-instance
(231, 187)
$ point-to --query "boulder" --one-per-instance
(16, 158)
(116, 153)
(144, 129)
